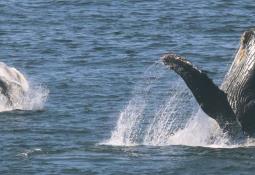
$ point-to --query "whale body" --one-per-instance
(232, 104)
(13, 84)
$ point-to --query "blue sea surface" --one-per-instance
(93, 57)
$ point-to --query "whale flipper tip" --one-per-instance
(174, 61)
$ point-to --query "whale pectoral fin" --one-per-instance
(211, 99)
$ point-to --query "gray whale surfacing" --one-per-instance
(232, 104)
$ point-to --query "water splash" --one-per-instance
(29, 152)
(127, 129)
(18, 93)
(33, 99)
(167, 119)
(128, 125)
(200, 130)
(178, 121)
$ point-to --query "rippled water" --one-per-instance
(93, 57)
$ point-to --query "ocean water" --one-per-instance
(102, 102)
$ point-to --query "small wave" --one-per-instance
(29, 152)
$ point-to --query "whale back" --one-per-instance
(239, 82)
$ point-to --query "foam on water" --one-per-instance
(166, 126)
(23, 94)
(29, 152)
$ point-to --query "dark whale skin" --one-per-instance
(232, 104)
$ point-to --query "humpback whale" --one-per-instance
(232, 104)
(13, 84)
